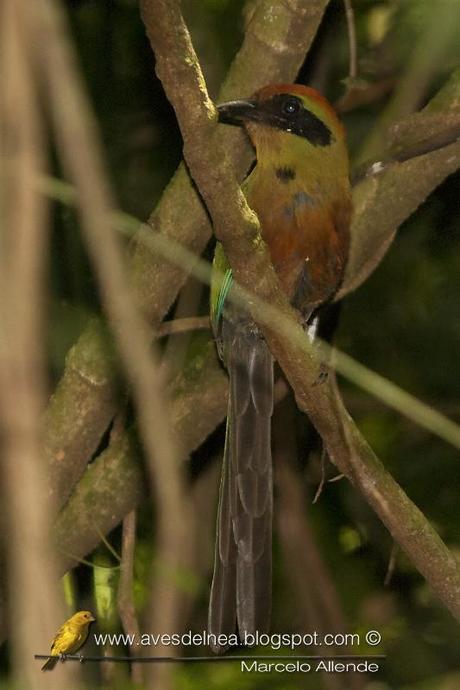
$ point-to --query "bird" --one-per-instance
(300, 190)
(69, 638)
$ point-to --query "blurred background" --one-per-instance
(334, 561)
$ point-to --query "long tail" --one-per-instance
(49, 664)
(242, 581)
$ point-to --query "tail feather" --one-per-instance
(49, 664)
(243, 568)
(254, 592)
(222, 603)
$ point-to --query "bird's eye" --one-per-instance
(291, 106)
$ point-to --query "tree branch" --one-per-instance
(413, 163)
(436, 35)
(35, 608)
(78, 145)
(125, 597)
(80, 409)
(237, 228)
(114, 483)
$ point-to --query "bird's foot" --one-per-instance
(323, 374)
(81, 658)
(62, 657)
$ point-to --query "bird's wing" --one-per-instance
(69, 638)
(221, 283)
(59, 640)
(79, 637)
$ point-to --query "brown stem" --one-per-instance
(350, 15)
(175, 349)
(35, 609)
(78, 145)
(126, 607)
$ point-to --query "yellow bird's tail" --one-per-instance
(49, 664)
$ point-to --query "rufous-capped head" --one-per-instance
(291, 108)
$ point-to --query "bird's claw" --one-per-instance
(62, 657)
(323, 374)
(80, 658)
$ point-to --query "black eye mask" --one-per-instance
(280, 112)
(283, 111)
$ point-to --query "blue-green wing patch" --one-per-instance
(226, 285)
(221, 282)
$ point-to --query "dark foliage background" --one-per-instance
(403, 323)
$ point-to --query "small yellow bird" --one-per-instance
(70, 637)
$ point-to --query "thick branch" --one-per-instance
(80, 409)
(236, 227)
(114, 483)
(382, 202)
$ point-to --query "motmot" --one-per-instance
(300, 190)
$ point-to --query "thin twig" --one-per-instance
(175, 350)
(184, 325)
(119, 423)
(125, 597)
(350, 15)
(84, 561)
(391, 564)
(108, 545)
(320, 488)
(337, 478)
